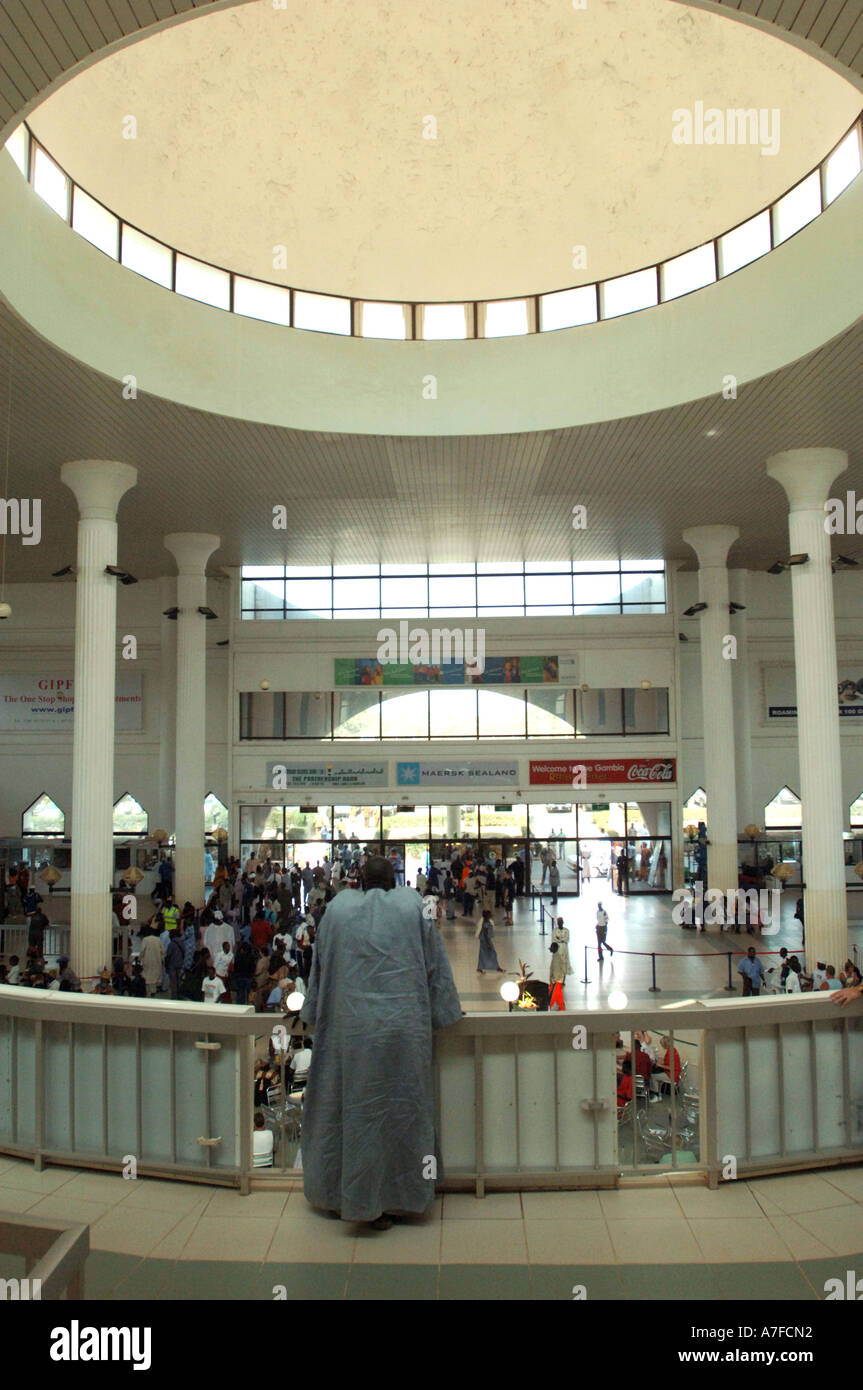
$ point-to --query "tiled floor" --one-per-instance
(770, 1238)
(688, 963)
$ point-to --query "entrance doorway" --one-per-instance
(407, 858)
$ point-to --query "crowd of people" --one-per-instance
(791, 977)
(251, 942)
(253, 939)
(660, 1067)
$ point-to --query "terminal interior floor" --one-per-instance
(772, 1238)
(689, 964)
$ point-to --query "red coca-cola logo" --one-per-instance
(650, 772)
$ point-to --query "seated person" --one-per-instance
(301, 1060)
(624, 1084)
(643, 1064)
(850, 976)
(662, 1075)
(262, 1083)
(262, 1143)
(648, 1046)
(830, 981)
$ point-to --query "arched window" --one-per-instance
(130, 818)
(215, 814)
(43, 817)
(784, 812)
(856, 814)
(695, 807)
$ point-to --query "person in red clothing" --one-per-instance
(661, 1078)
(666, 1062)
(643, 1064)
(261, 932)
(624, 1084)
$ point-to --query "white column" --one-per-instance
(807, 476)
(191, 550)
(747, 811)
(98, 485)
(167, 699)
(712, 544)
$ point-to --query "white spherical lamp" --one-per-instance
(617, 999)
(295, 1001)
(509, 991)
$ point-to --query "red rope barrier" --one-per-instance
(696, 955)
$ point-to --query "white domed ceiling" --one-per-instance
(446, 151)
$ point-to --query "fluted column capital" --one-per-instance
(98, 485)
(191, 550)
(711, 543)
(807, 475)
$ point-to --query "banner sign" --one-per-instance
(780, 692)
(455, 774)
(280, 776)
(40, 703)
(497, 670)
(572, 772)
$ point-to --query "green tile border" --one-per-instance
(404, 1283)
(126, 1277)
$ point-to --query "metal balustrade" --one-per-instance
(525, 1101)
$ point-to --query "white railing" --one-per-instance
(524, 1101)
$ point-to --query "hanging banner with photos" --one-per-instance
(496, 670)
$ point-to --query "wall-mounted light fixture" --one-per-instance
(779, 566)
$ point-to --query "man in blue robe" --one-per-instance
(380, 983)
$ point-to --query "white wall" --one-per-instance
(40, 636)
(768, 627)
(300, 656)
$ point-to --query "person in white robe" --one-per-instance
(562, 961)
(380, 985)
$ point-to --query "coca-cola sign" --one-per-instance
(653, 771)
(572, 772)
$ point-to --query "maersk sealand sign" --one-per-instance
(478, 773)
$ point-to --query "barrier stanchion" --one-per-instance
(585, 981)
(541, 920)
(729, 988)
(654, 988)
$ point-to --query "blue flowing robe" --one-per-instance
(380, 983)
(487, 954)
